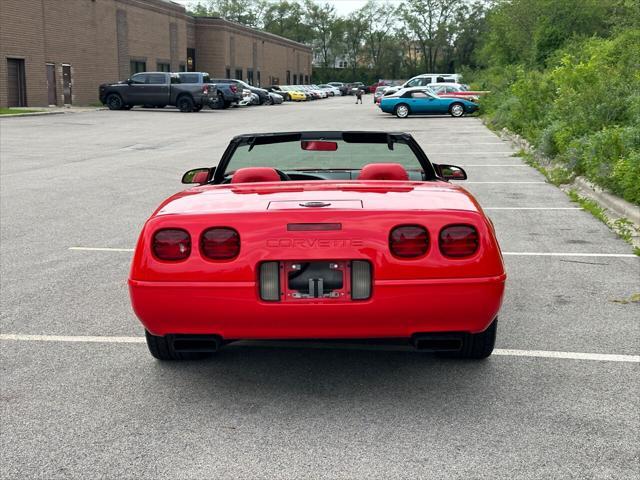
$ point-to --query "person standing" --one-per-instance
(358, 96)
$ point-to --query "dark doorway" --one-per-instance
(51, 84)
(191, 59)
(66, 84)
(16, 85)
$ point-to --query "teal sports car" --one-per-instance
(422, 101)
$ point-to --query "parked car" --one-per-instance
(275, 98)
(427, 78)
(319, 235)
(263, 94)
(422, 101)
(355, 86)
(344, 89)
(333, 91)
(294, 94)
(157, 89)
(455, 90)
(278, 89)
(227, 94)
(379, 92)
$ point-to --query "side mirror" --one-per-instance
(198, 175)
(128, 82)
(450, 172)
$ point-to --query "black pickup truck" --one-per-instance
(157, 89)
(228, 93)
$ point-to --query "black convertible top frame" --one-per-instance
(389, 138)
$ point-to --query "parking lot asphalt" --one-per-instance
(76, 406)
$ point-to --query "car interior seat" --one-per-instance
(383, 171)
(255, 174)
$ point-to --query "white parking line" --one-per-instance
(533, 208)
(512, 183)
(70, 338)
(601, 357)
(477, 154)
(101, 249)
(559, 254)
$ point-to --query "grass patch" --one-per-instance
(13, 111)
(556, 175)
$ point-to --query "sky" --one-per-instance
(343, 7)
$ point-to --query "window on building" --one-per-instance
(227, 73)
(288, 77)
(249, 76)
(238, 74)
(137, 66)
(306, 79)
(164, 67)
(295, 79)
(259, 81)
(183, 68)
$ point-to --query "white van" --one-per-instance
(427, 78)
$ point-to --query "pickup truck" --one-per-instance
(157, 89)
(227, 94)
(263, 95)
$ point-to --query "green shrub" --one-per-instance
(583, 109)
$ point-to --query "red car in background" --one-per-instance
(319, 235)
(455, 90)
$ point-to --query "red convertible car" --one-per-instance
(319, 235)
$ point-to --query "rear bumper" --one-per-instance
(397, 308)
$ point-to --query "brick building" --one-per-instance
(56, 52)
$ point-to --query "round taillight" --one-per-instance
(409, 241)
(171, 244)
(220, 243)
(458, 241)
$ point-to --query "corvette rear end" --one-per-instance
(416, 262)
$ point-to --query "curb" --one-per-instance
(618, 206)
(55, 112)
(30, 114)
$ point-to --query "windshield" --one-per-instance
(292, 153)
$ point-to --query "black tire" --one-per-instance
(402, 110)
(476, 346)
(161, 349)
(127, 107)
(114, 101)
(219, 102)
(185, 104)
(456, 110)
(198, 108)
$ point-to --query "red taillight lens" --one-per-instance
(205, 89)
(171, 244)
(458, 241)
(409, 241)
(233, 88)
(220, 243)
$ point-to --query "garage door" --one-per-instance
(16, 89)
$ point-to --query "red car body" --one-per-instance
(408, 296)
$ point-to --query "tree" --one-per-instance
(323, 23)
(286, 19)
(429, 22)
(246, 12)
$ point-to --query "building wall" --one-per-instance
(222, 45)
(99, 38)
